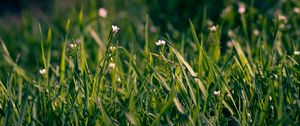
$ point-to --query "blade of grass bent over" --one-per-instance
(191, 71)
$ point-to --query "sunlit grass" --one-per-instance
(96, 72)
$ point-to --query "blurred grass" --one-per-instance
(126, 79)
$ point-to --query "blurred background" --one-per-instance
(20, 21)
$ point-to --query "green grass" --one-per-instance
(124, 78)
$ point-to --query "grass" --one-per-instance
(96, 76)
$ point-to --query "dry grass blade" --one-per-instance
(10, 61)
(178, 105)
(131, 119)
(242, 57)
(191, 71)
(96, 37)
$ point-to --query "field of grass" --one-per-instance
(142, 62)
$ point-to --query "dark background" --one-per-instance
(16, 6)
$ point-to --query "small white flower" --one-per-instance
(217, 93)
(163, 42)
(230, 33)
(102, 12)
(296, 10)
(115, 29)
(242, 8)
(256, 32)
(213, 28)
(157, 43)
(297, 52)
(119, 79)
(281, 17)
(112, 48)
(111, 65)
(160, 42)
(43, 71)
(229, 44)
(270, 97)
(73, 45)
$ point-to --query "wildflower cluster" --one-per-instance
(115, 29)
(160, 42)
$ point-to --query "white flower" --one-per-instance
(157, 43)
(115, 29)
(102, 12)
(111, 65)
(281, 17)
(43, 71)
(112, 48)
(73, 45)
(119, 79)
(163, 42)
(296, 10)
(213, 28)
(242, 8)
(160, 42)
(256, 32)
(297, 52)
(230, 33)
(217, 93)
(229, 44)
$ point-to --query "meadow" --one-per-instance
(143, 62)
